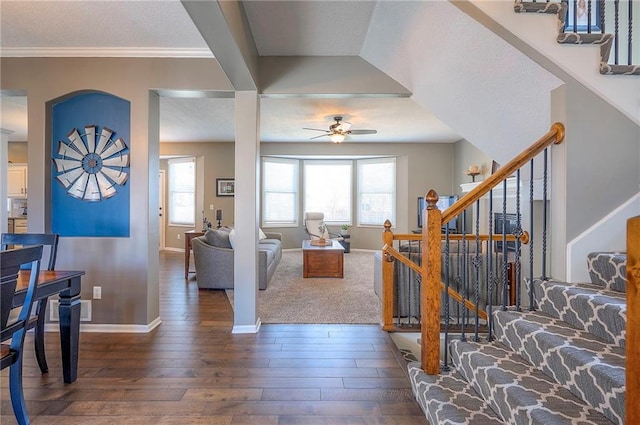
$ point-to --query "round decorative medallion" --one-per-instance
(91, 169)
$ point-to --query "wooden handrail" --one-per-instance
(469, 237)
(633, 322)
(554, 135)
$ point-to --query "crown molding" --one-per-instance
(103, 52)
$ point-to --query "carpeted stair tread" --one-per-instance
(517, 390)
(608, 269)
(591, 308)
(590, 368)
(448, 399)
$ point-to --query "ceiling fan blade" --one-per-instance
(364, 132)
(315, 137)
(314, 129)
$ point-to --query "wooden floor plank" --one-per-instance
(193, 370)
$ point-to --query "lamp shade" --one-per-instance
(218, 214)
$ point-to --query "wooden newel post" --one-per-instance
(387, 279)
(633, 322)
(430, 301)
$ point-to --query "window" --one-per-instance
(280, 192)
(328, 189)
(182, 188)
(376, 191)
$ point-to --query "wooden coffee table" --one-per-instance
(322, 261)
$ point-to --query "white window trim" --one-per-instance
(393, 193)
(296, 164)
(331, 162)
(175, 161)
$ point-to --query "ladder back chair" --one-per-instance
(12, 354)
(37, 321)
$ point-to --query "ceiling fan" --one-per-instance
(338, 131)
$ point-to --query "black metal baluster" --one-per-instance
(446, 265)
(630, 61)
(601, 4)
(490, 277)
(505, 281)
(575, 16)
(545, 183)
(476, 268)
(588, 17)
(463, 268)
(616, 32)
(531, 238)
(518, 234)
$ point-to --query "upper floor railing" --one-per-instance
(615, 17)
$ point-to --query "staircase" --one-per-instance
(563, 363)
(605, 40)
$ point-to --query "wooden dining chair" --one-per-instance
(37, 321)
(11, 354)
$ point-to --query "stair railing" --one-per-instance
(633, 322)
(402, 277)
(608, 23)
(436, 220)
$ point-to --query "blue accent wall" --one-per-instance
(76, 217)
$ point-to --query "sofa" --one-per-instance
(214, 255)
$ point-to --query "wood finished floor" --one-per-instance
(193, 370)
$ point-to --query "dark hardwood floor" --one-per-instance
(193, 370)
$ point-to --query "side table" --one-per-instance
(187, 249)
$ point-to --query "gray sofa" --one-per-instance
(213, 255)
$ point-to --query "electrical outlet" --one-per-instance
(178, 235)
(97, 292)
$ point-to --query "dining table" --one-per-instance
(66, 284)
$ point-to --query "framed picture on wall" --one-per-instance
(225, 187)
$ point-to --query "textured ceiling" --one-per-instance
(281, 28)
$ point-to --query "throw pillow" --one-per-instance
(232, 238)
(262, 235)
(218, 238)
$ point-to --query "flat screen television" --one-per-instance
(443, 203)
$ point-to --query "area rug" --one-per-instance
(289, 298)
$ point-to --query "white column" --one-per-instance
(4, 167)
(247, 162)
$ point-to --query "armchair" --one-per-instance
(316, 228)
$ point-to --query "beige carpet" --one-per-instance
(289, 298)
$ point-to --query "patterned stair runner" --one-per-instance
(608, 269)
(596, 310)
(518, 391)
(590, 368)
(449, 399)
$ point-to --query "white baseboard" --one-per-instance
(247, 329)
(109, 328)
(171, 249)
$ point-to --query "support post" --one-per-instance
(430, 294)
(387, 279)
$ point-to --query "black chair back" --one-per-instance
(11, 354)
(10, 262)
(49, 240)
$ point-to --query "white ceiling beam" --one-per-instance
(224, 27)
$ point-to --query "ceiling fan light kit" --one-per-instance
(337, 138)
(339, 130)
